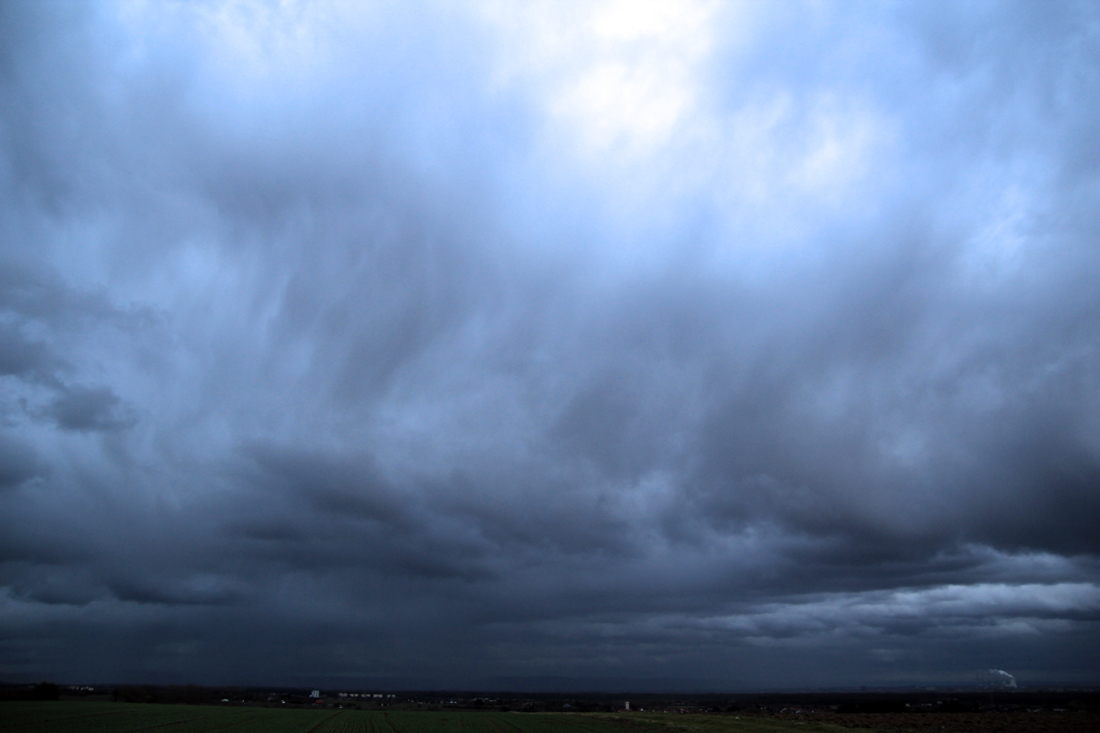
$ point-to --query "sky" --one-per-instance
(695, 346)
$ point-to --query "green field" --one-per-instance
(105, 717)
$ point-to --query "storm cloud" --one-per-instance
(593, 346)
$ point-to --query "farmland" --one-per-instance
(114, 717)
(104, 717)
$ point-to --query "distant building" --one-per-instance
(627, 707)
(315, 693)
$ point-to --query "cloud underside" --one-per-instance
(730, 347)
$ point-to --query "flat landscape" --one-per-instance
(93, 717)
(108, 717)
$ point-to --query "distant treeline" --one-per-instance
(185, 694)
(41, 691)
(902, 701)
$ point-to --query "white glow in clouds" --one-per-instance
(622, 75)
(639, 98)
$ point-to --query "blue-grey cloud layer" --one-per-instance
(342, 344)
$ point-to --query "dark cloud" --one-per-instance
(479, 349)
(17, 462)
(20, 355)
(83, 408)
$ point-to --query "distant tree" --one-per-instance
(45, 691)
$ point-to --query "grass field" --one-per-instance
(111, 717)
(105, 717)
